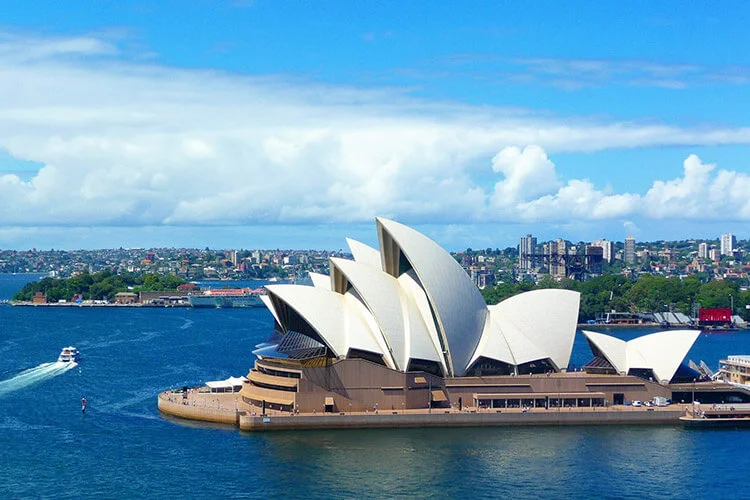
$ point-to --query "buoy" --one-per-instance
(83, 405)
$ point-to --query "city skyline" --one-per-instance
(271, 125)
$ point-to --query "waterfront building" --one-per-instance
(39, 298)
(526, 247)
(736, 369)
(728, 243)
(126, 298)
(629, 252)
(404, 327)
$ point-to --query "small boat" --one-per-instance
(68, 355)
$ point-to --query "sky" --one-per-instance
(291, 124)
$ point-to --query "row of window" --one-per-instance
(540, 402)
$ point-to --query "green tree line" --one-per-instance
(98, 286)
(646, 294)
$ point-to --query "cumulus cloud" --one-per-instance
(681, 196)
(528, 174)
(700, 195)
(131, 143)
(579, 199)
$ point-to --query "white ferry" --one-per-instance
(235, 297)
(68, 355)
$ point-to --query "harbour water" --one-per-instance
(123, 448)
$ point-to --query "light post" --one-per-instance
(429, 397)
(693, 397)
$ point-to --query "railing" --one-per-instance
(740, 360)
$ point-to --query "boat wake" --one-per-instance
(35, 375)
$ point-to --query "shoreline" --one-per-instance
(83, 304)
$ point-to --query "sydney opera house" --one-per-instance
(403, 327)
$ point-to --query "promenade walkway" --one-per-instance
(202, 405)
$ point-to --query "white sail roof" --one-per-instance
(413, 301)
(364, 254)
(421, 347)
(458, 306)
(539, 324)
(269, 304)
(320, 280)
(397, 316)
(661, 352)
(612, 348)
(355, 306)
(330, 314)
(493, 344)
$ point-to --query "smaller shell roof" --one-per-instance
(364, 254)
(335, 317)
(661, 352)
(320, 280)
(539, 324)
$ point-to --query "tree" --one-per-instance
(716, 293)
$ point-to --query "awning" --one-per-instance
(226, 384)
(439, 395)
(329, 401)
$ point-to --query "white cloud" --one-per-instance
(125, 143)
(680, 197)
(528, 174)
(579, 199)
(699, 194)
(24, 49)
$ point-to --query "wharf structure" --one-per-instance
(400, 336)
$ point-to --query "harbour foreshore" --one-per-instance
(227, 408)
(91, 304)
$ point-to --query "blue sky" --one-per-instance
(293, 124)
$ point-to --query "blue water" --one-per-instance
(123, 448)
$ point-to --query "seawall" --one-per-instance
(222, 411)
(248, 422)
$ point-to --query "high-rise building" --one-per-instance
(728, 242)
(558, 268)
(608, 249)
(703, 250)
(713, 254)
(629, 253)
(526, 248)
